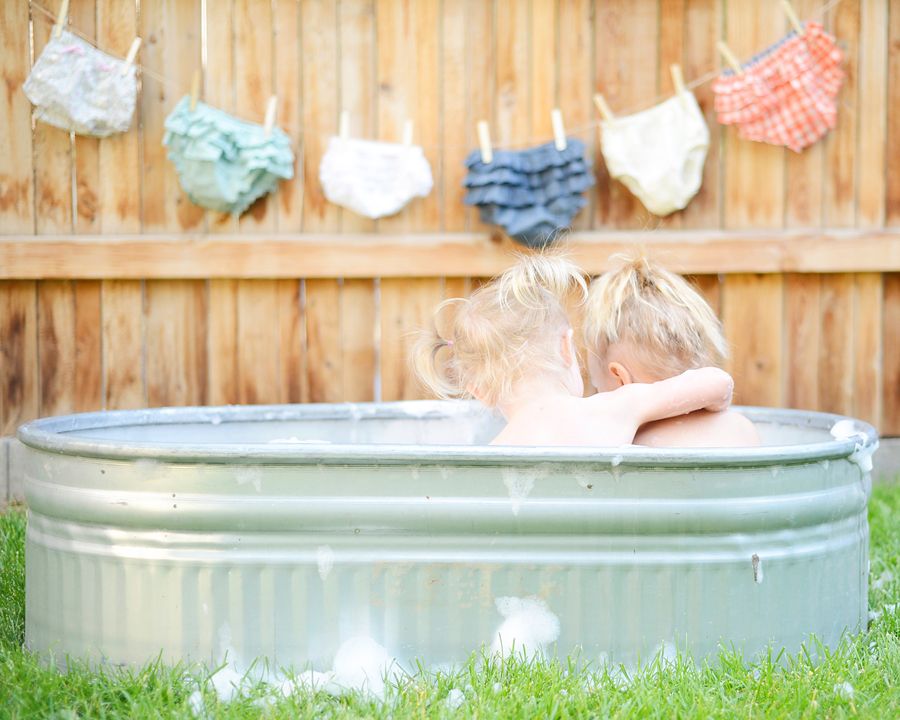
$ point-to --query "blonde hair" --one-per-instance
(667, 322)
(505, 330)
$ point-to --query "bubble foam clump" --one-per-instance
(529, 626)
(847, 429)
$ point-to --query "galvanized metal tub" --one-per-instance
(282, 531)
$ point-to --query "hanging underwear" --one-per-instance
(374, 179)
(787, 94)
(532, 194)
(659, 153)
(223, 163)
(75, 86)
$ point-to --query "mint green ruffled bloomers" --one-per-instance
(223, 163)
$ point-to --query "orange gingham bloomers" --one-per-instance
(787, 94)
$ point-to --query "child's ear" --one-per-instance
(620, 373)
(567, 347)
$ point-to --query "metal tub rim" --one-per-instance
(52, 435)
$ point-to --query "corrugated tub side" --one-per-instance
(431, 550)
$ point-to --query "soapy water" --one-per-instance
(847, 429)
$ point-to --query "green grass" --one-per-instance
(785, 687)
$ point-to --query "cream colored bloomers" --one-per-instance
(659, 153)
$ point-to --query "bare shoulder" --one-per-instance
(700, 429)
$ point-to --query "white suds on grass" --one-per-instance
(844, 690)
(455, 698)
(324, 560)
(362, 664)
(529, 626)
(883, 579)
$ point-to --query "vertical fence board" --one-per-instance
(802, 338)
(19, 373)
(481, 62)
(171, 48)
(703, 20)
(56, 346)
(841, 143)
(626, 73)
(836, 344)
(671, 50)
(867, 359)
(175, 321)
(543, 75)
(292, 387)
(512, 38)
(288, 53)
(424, 107)
(254, 80)
(222, 353)
(320, 109)
(88, 331)
(323, 340)
(83, 15)
(575, 79)
(119, 164)
(16, 176)
(358, 340)
(872, 110)
(752, 316)
(218, 87)
(754, 178)
(455, 122)
(258, 347)
(892, 149)
(52, 160)
(406, 306)
(356, 29)
(123, 344)
(890, 382)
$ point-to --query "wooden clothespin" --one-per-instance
(270, 114)
(559, 130)
(603, 107)
(730, 57)
(484, 141)
(61, 18)
(408, 132)
(344, 125)
(677, 79)
(792, 16)
(195, 89)
(132, 53)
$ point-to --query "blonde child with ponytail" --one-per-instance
(511, 346)
(644, 324)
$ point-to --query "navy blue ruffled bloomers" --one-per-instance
(532, 194)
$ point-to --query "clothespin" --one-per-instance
(408, 132)
(61, 18)
(603, 107)
(730, 57)
(792, 16)
(559, 130)
(677, 78)
(270, 114)
(344, 125)
(484, 141)
(195, 89)
(132, 53)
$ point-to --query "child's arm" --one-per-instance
(703, 389)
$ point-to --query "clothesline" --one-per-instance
(579, 130)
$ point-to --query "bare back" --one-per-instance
(700, 429)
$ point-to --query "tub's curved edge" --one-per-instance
(47, 434)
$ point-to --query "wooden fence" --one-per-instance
(115, 291)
